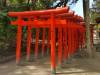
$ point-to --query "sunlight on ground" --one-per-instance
(79, 66)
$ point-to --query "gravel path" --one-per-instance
(79, 66)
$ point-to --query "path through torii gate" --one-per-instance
(70, 33)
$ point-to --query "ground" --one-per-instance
(78, 66)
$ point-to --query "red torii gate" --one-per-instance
(69, 29)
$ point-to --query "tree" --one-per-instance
(64, 3)
(3, 3)
(87, 23)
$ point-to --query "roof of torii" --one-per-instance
(44, 13)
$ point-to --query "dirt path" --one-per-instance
(41, 66)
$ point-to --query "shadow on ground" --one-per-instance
(41, 66)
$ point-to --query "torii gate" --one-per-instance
(71, 32)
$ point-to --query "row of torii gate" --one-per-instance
(71, 33)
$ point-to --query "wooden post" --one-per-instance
(28, 41)
(36, 43)
(19, 37)
(60, 46)
(65, 44)
(43, 42)
(70, 38)
(53, 56)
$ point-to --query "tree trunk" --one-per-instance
(1, 4)
(28, 7)
(5, 3)
(84, 8)
(87, 22)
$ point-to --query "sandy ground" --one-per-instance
(78, 66)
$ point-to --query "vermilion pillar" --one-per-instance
(36, 43)
(68, 41)
(43, 42)
(69, 37)
(75, 40)
(59, 46)
(28, 41)
(19, 37)
(65, 43)
(53, 56)
(72, 38)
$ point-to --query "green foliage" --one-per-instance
(13, 1)
(39, 5)
(4, 19)
(20, 1)
(16, 1)
(95, 15)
